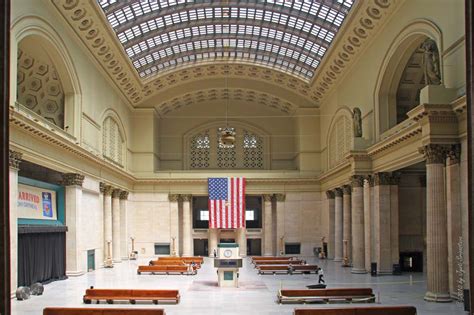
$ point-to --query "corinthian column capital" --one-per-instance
(116, 193)
(173, 197)
(357, 181)
(267, 198)
(124, 195)
(73, 179)
(330, 194)
(186, 198)
(346, 189)
(435, 153)
(280, 197)
(338, 192)
(15, 159)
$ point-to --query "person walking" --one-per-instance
(321, 275)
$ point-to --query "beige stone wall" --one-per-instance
(92, 216)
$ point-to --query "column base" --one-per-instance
(358, 271)
(108, 263)
(75, 273)
(437, 297)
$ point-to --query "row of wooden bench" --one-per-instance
(351, 295)
(286, 269)
(376, 310)
(172, 265)
(111, 295)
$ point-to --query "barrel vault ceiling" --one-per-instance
(152, 49)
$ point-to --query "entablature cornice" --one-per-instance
(408, 132)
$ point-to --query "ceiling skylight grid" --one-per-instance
(291, 35)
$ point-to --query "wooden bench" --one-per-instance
(165, 269)
(254, 259)
(376, 310)
(188, 260)
(326, 295)
(111, 295)
(273, 269)
(169, 262)
(304, 269)
(277, 262)
(101, 311)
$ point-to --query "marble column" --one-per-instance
(382, 224)
(187, 226)
(347, 225)
(242, 241)
(268, 224)
(280, 224)
(454, 222)
(436, 227)
(338, 224)
(394, 219)
(358, 240)
(174, 224)
(14, 163)
(213, 241)
(116, 226)
(107, 205)
(75, 255)
(331, 219)
(368, 182)
(124, 225)
(102, 231)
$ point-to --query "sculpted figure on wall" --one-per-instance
(357, 122)
(431, 62)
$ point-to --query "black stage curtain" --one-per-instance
(41, 258)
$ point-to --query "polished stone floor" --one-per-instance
(256, 294)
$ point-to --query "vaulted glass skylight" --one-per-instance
(291, 35)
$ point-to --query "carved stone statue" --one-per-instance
(431, 62)
(357, 122)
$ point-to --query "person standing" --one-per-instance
(321, 275)
(215, 253)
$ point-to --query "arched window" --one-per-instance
(203, 150)
(38, 86)
(340, 140)
(112, 142)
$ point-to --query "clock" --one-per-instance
(227, 253)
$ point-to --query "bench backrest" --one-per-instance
(186, 259)
(377, 310)
(163, 268)
(328, 292)
(131, 293)
(273, 267)
(305, 267)
(278, 262)
(100, 311)
(271, 258)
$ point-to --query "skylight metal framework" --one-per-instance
(292, 35)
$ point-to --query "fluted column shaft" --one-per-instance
(116, 226)
(187, 226)
(436, 227)
(75, 256)
(453, 194)
(268, 223)
(280, 223)
(347, 223)
(358, 241)
(14, 163)
(338, 223)
(382, 226)
(124, 226)
(107, 222)
(174, 224)
(367, 225)
(331, 221)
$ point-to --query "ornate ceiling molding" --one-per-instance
(195, 97)
(360, 29)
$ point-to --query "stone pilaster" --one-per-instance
(330, 196)
(14, 163)
(242, 241)
(116, 226)
(338, 224)
(436, 227)
(367, 222)
(358, 241)
(280, 222)
(107, 205)
(347, 225)
(75, 254)
(382, 224)
(187, 226)
(268, 225)
(213, 241)
(124, 225)
(174, 224)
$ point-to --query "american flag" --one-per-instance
(226, 203)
